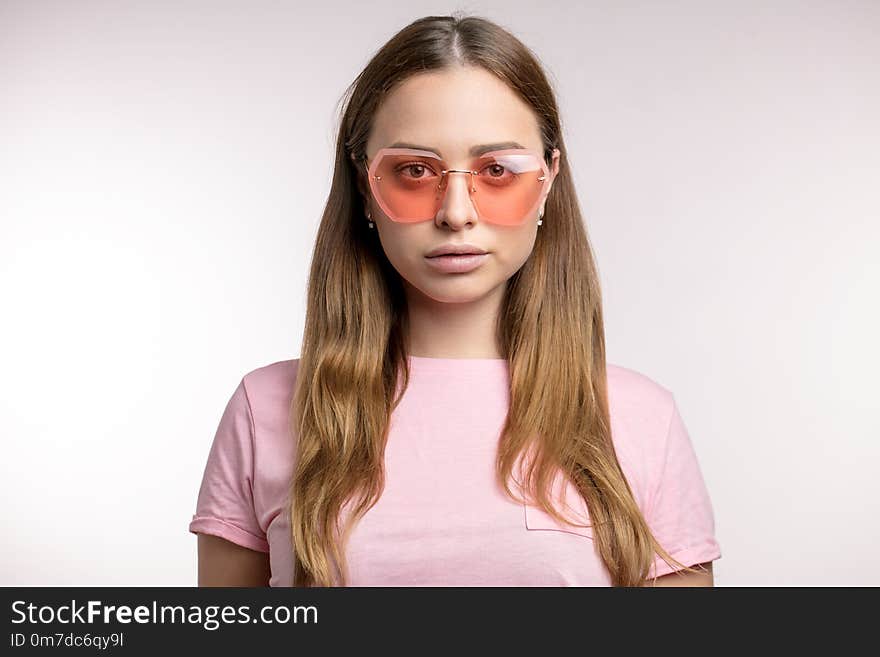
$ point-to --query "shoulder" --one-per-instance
(269, 384)
(636, 397)
(640, 410)
(269, 393)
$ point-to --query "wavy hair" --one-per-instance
(353, 366)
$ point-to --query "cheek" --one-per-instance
(512, 253)
(399, 247)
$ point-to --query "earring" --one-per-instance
(369, 219)
(540, 214)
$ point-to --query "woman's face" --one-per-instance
(448, 112)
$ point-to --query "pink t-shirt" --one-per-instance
(442, 520)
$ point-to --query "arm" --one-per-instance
(223, 563)
(233, 547)
(680, 512)
(686, 579)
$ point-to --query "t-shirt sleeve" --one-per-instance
(225, 505)
(681, 515)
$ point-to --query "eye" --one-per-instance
(414, 170)
(495, 170)
(497, 175)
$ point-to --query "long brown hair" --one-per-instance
(549, 328)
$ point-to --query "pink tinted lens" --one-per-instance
(407, 186)
(506, 188)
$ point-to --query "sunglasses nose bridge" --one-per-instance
(444, 178)
(452, 204)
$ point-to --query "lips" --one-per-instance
(463, 253)
(457, 264)
(455, 249)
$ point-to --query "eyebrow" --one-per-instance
(475, 150)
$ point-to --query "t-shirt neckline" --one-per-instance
(458, 364)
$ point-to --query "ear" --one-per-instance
(554, 169)
(361, 180)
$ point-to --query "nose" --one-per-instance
(457, 206)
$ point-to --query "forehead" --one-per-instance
(451, 111)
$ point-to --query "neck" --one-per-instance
(454, 328)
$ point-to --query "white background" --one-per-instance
(163, 167)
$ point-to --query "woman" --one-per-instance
(451, 419)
